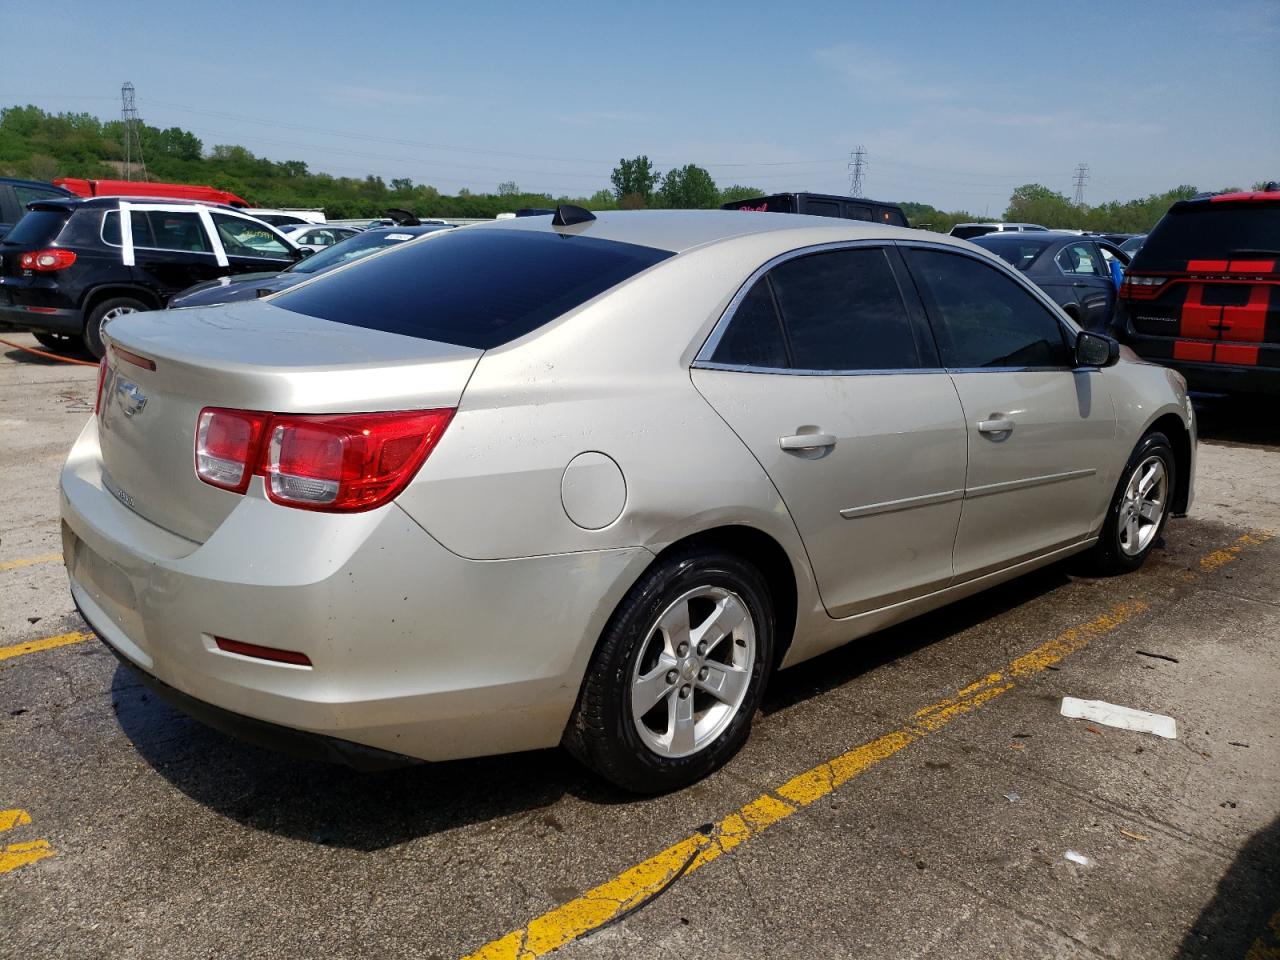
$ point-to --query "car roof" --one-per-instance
(681, 230)
(94, 203)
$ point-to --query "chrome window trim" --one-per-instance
(703, 361)
(743, 368)
(703, 357)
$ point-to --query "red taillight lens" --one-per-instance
(46, 261)
(348, 462)
(1142, 288)
(102, 377)
(334, 462)
(227, 445)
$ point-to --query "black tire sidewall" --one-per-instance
(93, 323)
(1113, 558)
(58, 342)
(619, 753)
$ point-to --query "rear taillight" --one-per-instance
(1142, 288)
(102, 377)
(332, 462)
(47, 261)
(227, 447)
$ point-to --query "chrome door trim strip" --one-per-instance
(906, 503)
(1005, 486)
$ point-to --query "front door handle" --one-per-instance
(807, 441)
(996, 424)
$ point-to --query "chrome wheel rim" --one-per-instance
(116, 312)
(1143, 505)
(693, 671)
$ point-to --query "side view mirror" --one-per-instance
(1096, 350)
(301, 253)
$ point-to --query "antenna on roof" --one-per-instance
(568, 214)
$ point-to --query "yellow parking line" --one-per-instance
(48, 643)
(17, 855)
(28, 561)
(606, 902)
(615, 897)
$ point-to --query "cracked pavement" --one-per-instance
(171, 840)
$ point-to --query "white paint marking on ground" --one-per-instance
(1126, 718)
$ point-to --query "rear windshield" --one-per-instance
(1014, 248)
(1211, 231)
(37, 228)
(476, 288)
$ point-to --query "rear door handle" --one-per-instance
(995, 425)
(807, 441)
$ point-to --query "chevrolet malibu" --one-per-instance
(591, 480)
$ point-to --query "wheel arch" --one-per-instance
(1171, 425)
(107, 290)
(768, 556)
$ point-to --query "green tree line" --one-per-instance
(42, 146)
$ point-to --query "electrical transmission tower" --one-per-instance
(857, 164)
(1080, 179)
(132, 140)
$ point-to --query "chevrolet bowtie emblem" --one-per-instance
(132, 399)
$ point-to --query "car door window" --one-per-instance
(1080, 259)
(174, 231)
(984, 318)
(843, 311)
(839, 311)
(244, 238)
(27, 195)
(754, 335)
(140, 225)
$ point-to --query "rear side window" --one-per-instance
(1211, 231)
(840, 311)
(37, 228)
(1015, 249)
(983, 318)
(968, 233)
(754, 336)
(158, 230)
(27, 194)
(476, 288)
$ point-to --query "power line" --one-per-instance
(857, 164)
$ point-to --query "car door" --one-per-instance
(1082, 265)
(824, 368)
(1039, 432)
(167, 245)
(251, 246)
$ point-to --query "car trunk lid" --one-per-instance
(165, 367)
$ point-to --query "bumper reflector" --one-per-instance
(263, 653)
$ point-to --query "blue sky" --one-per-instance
(956, 103)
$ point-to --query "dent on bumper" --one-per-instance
(415, 650)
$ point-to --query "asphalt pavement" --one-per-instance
(916, 794)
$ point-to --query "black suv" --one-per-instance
(824, 205)
(67, 266)
(1202, 294)
(16, 194)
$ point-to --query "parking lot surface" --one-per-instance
(913, 795)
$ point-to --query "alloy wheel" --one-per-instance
(1143, 506)
(693, 671)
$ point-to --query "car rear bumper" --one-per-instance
(414, 651)
(1262, 377)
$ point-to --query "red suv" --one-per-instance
(1202, 295)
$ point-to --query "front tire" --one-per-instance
(678, 674)
(1139, 508)
(103, 313)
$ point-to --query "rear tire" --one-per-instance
(1139, 508)
(103, 313)
(678, 674)
(57, 342)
